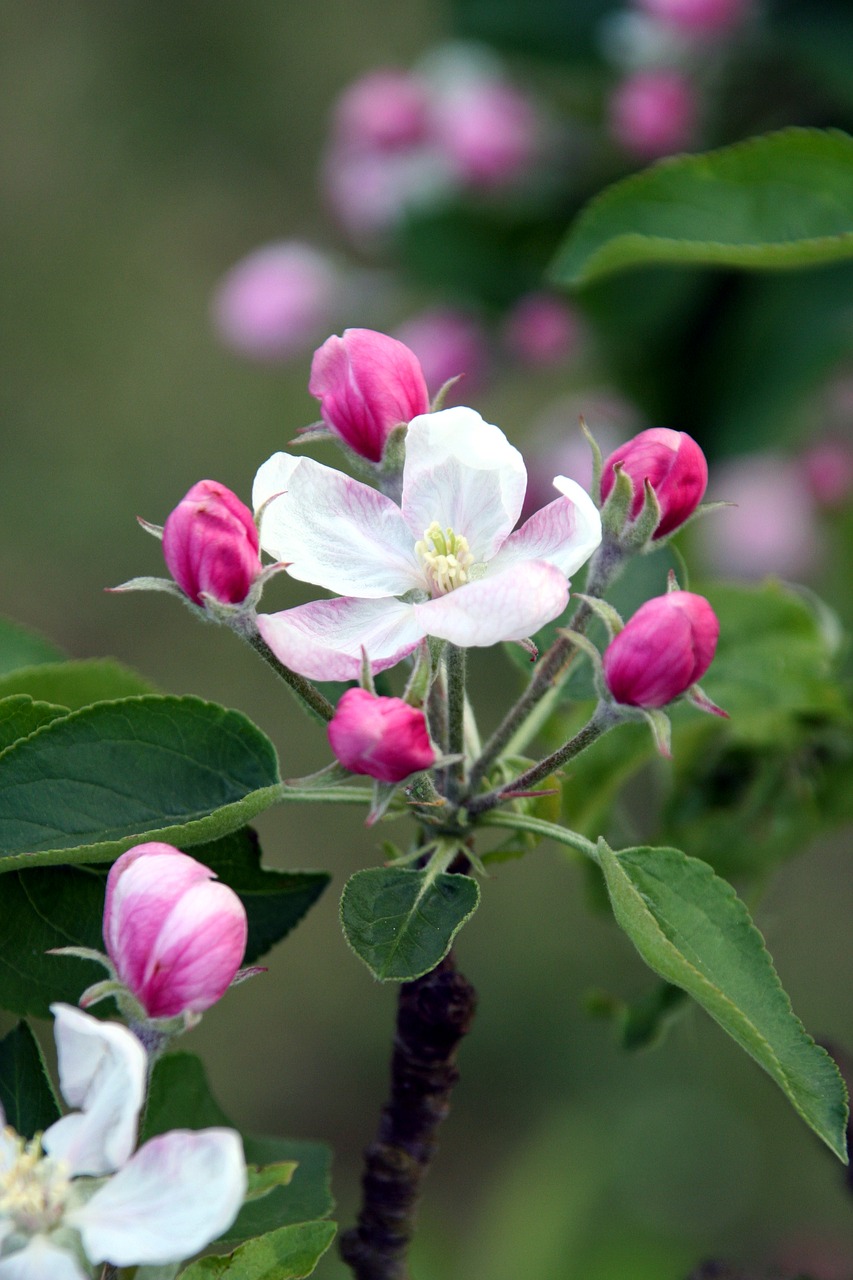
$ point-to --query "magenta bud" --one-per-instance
(210, 544)
(175, 936)
(664, 649)
(367, 384)
(384, 738)
(385, 110)
(653, 113)
(673, 464)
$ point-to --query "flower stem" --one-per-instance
(434, 1013)
(455, 664)
(313, 700)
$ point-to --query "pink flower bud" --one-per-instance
(210, 544)
(382, 737)
(367, 384)
(653, 113)
(275, 304)
(448, 343)
(673, 464)
(542, 330)
(697, 17)
(385, 110)
(665, 648)
(488, 130)
(175, 936)
(829, 472)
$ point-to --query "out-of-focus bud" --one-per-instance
(488, 130)
(542, 329)
(275, 303)
(653, 113)
(673, 464)
(367, 384)
(175, 936)
(829, 472)
(449, 343)
(384, 738)
(385, 110)
(664, 649)
(697, 17)
(210, 544)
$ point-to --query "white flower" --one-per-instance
(162, 1204)
(444, 563)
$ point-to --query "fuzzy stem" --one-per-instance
(455, 665)
(312, 698)
(433, 1015)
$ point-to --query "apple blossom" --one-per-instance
(448, 343)
(542, 329)
(384, 738)
(653, 113)
(664, 648)
(444, 563)
(673, 464)
(174, 934)
(80, 1197)
(698, 17)
(384, 110)
(210, 544)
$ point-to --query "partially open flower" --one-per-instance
(665, 648)
(673, 464)
(175, 936)
(384, 738)
(210, 544)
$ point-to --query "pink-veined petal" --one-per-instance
(334, 531)
(178, 1192)
(102, 1071)
(565, 533)
(501, 606)
(198, 950)
(41, 1260)
(323, 640)
(463, 473)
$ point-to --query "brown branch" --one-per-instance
(433, 1015)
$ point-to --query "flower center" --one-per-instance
(445, 558)
(33, 1187)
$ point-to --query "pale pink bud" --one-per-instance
(653, 113)
(275, 303)
(488, 130)
(210, 544)
(829, 472)
(367, 384)
(175, 936)
(385, 110)
(697, 17)
(542, 329)
(384, 738)
(448, 343)
(370, 190)
(673, 464)
(665, 648)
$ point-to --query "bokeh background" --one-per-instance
(144, 149)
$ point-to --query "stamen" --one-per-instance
(33, 1187)
(445, 557)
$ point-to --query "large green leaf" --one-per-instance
(20, 716)
(285, 1254)
(87, 787)
(26, 1094)
(20, 647)
(400, 922)
(692, 929)
(782, 200)
(76, 684)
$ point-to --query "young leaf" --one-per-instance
(26, 1093)
(20, 647)
(76, 684)
(286, 1254)
(87, 787)
(400, 922)
(781, 200)
(692, 930)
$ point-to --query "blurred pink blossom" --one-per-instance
(698, 17)
(829, 472)
(489, 131)
(653, 113)
(385, 110)
(449, 343)
(543, 329)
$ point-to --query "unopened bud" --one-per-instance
(665, 648)
(384, 738)
(653, 113)
(210, 544)
(674, 466)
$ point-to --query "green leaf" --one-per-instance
(781, 200)
(42, 908)
(548, 28)
(285, 1254)
(20, 716)
(87, 787)
(275, 901)
(401, 922)
(26, 1093)
(76, 684)
(265, 1178)
(692, 930)
(20, 647)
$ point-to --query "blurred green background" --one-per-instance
(145, 147)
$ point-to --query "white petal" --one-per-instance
(565, 533)
(179, 1192)
(102, 1070)
(501, 606)
(464, 473)
(334, 531)
(323, 640)
(40, 1260)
